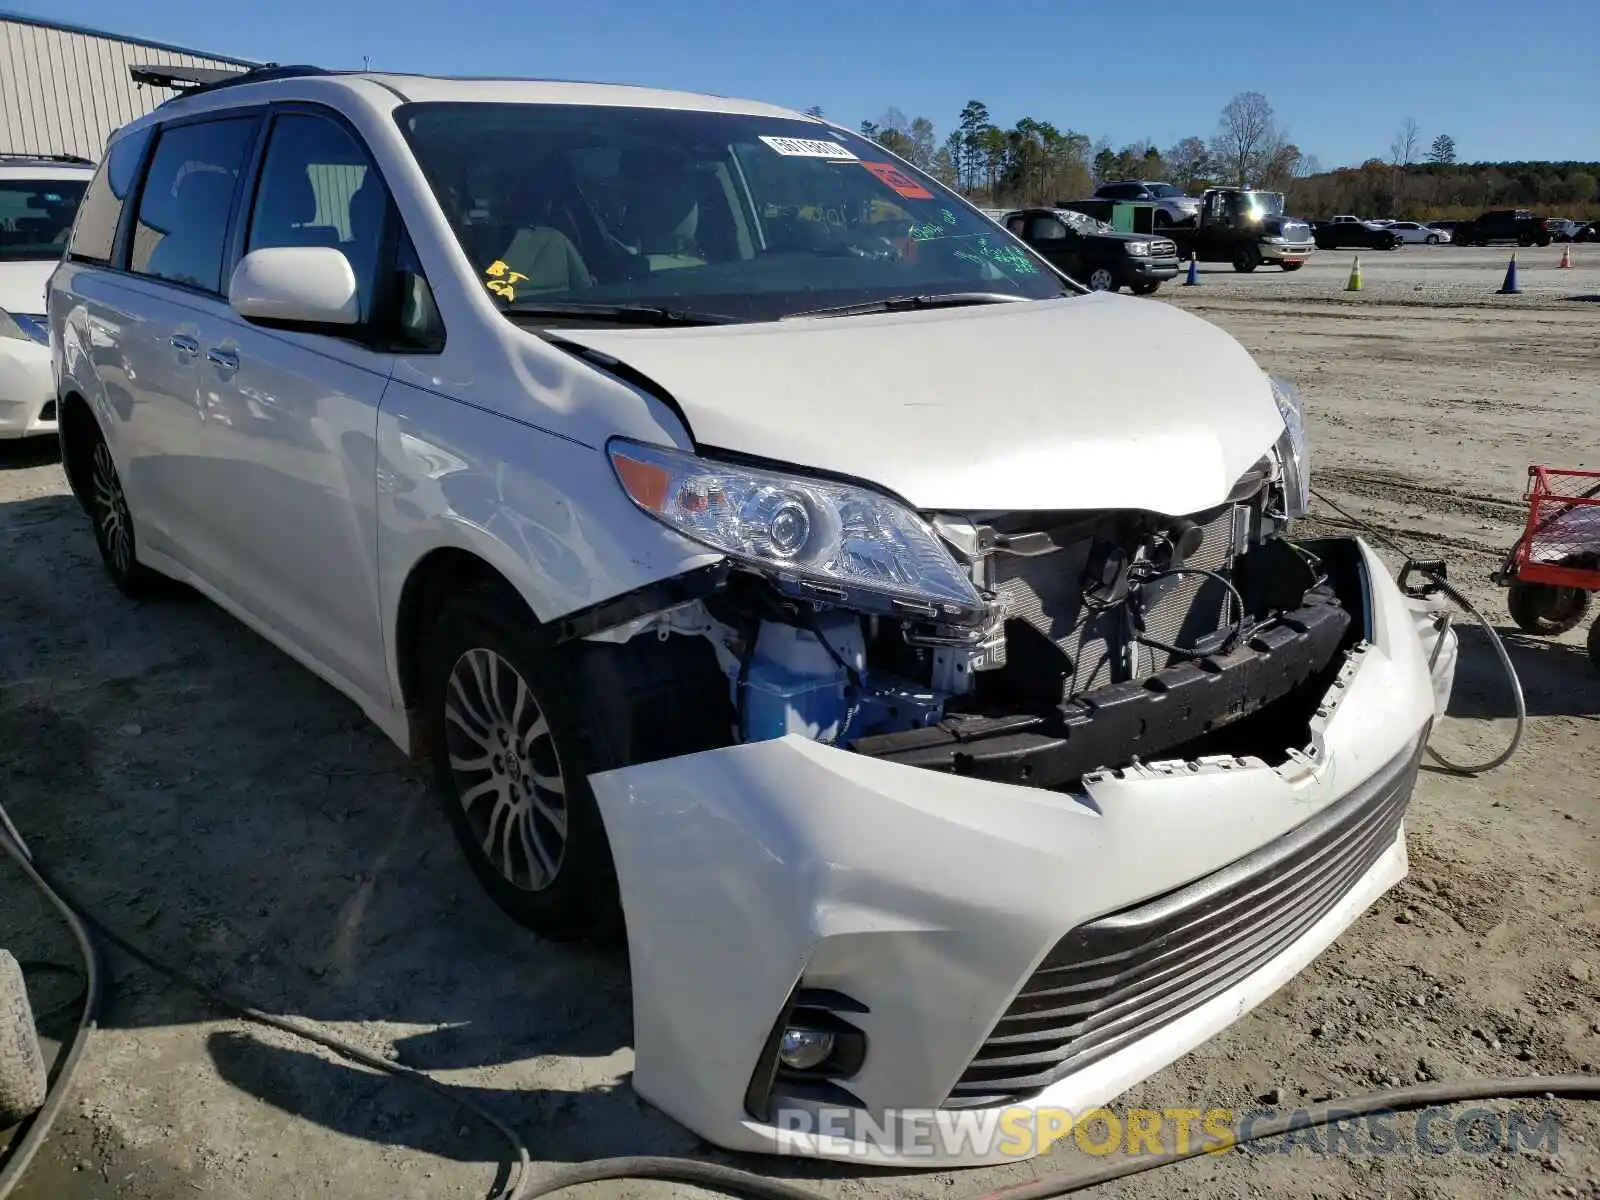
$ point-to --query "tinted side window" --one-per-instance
(1048, 229)
(317, 190)
(188, 195)
(95, 234)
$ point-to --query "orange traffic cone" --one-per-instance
(1566, 259)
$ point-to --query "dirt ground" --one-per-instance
(217, 803)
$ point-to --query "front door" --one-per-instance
(291, 417)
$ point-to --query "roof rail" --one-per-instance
(187, 80)
(41, 157)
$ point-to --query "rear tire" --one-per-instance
(113, 524)
(23, 1081)
(1246, 259)
(511, 764)
(1539, 608)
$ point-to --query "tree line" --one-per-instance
(1036, 162)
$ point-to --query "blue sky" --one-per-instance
(1506, 83)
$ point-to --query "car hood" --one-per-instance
(1095, 401)
(22, 284)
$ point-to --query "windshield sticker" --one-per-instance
(808, 148)
(902, 183)
(502, 280)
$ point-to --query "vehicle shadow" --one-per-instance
(16, 453)
(1558, 677)
(217, 805)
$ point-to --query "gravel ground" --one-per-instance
(220, 805)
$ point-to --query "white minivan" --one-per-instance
(779, 563)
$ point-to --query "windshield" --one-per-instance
(1267, 203)
(740, 216)
(36, 216)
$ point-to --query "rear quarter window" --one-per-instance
(95, 234)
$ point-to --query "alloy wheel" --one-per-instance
(111, 513)
(1102, 280)
(505, 768)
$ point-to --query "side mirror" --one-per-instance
(295, 285)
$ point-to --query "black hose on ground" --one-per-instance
(85, 927)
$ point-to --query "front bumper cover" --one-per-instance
(931, 899)
(27, 389)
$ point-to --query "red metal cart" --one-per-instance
(1555, 564)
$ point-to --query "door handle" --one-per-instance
(223, 360)
(184, 344)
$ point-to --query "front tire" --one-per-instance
(511, 765)
(1246, 259)
(1146, 289)
(1102, 279)
(1291, 266)
(1545, 610)
(114, 534)
(1433, 241)
(1594, 643)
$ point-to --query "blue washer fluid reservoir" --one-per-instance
(795, 685)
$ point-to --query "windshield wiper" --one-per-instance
(906, 303)
(618, 314)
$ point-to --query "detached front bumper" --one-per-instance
(27, 389)
(964, 926)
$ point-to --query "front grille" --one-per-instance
(1163, 249)
(1296, 232)
(1047, 593)
(1112, 981)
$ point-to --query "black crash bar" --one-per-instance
(1140, 718)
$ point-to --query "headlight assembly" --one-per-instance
(1139, 248)
(1292, 449)
(815, 538)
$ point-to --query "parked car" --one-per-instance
(1587, 233)
(1172, 206)
(1445, 226)
(1414, 231)
(39, 197)
(1092, 252)
(1561, 229)
(1345, 219)
(1360, 235)
(778, 565)
(1503, 225)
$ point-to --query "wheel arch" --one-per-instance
(75, 423)
(433, 580)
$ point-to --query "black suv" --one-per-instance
(1096, 255)
(1503, 225)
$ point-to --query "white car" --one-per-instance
(1414, 231)
(777, 563)
(39, 196)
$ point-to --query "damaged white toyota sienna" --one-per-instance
(779, 563)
